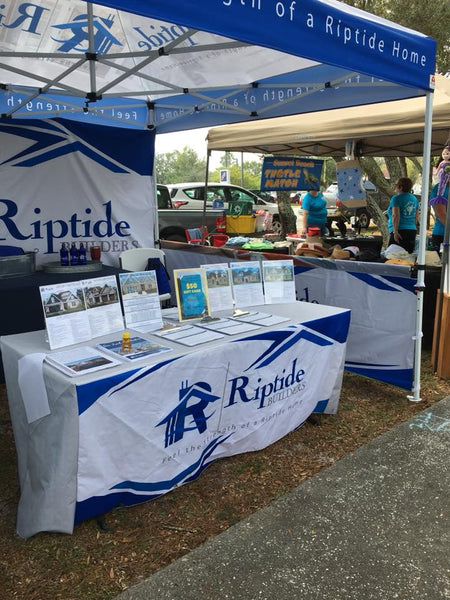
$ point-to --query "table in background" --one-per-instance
(167, 416)
(373, 243)
(21, 301)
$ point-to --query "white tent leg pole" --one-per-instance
(415, 397)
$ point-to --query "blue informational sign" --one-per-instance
(192, 296)
(225, 175)
(291, 173)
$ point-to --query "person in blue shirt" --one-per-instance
(403, 213)
(314, 207)
(439, 205)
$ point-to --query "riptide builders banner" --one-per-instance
(242, 396)
(380, 342)
(70, 182)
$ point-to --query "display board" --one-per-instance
(69, 182)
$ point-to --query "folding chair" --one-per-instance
(198, 236)
(136, 259)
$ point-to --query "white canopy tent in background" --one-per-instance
(173, 65)
(385, 129)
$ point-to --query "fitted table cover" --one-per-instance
(131, 433)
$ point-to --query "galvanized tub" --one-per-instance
(19, 265)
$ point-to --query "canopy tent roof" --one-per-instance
(177, 65)
(384, 129)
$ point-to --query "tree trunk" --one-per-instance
(287, 215)
(379, 218)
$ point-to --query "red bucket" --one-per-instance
(218, 239)
(313, 231)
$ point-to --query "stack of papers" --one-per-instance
(140, 348)
(262, 319)
(80, 361)
(189, 335)
(229, 326)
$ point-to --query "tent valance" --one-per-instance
(174, 65)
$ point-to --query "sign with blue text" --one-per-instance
(291, 173)
(64, 181)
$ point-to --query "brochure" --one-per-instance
(220, 292)
(66, 318)
(192, 293)
(189, 335)
(247, 283)
(103, 305)
(140, 298)
(140, 348)
(77, 311)
(80, 361)
(279, 282)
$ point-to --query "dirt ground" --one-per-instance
(101, 559)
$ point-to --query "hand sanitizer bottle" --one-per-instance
(73, 254)
(64, 255)
(82, 254)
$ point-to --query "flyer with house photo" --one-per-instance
(247, 283)
(103, 305)
(220, 292)
(279, 282)
(65, 314)
(140, 299)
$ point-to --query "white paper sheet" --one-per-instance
(32, 386)
(247, 283)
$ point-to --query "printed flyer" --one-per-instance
(220, 292)
(279, 282)
(140, 299)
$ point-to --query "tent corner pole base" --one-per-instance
(414, 398)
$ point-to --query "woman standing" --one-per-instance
(314, 207)
(403, 215)
(439, 204)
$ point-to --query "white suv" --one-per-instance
(190, 195)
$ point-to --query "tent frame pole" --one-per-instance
(420, 286)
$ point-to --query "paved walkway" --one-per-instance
(376, 525)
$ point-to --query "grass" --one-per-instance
(98, 563)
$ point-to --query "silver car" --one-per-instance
(220, 195)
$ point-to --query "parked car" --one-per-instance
(220, 195)
(269, 196)
(173, 223)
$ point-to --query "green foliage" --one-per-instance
(328, 172)
(249, 177)
(430, 18)
(179, 166)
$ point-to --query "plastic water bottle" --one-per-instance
(64, 255)
(82, 254)
(73, 254)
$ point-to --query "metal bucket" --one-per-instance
(19, 265)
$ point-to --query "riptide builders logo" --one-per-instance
(193, 410)
(189, 414)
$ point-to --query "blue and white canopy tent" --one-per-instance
(180, 66)
(170, 65)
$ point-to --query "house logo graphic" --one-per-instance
(79, 42)
(189, 414)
